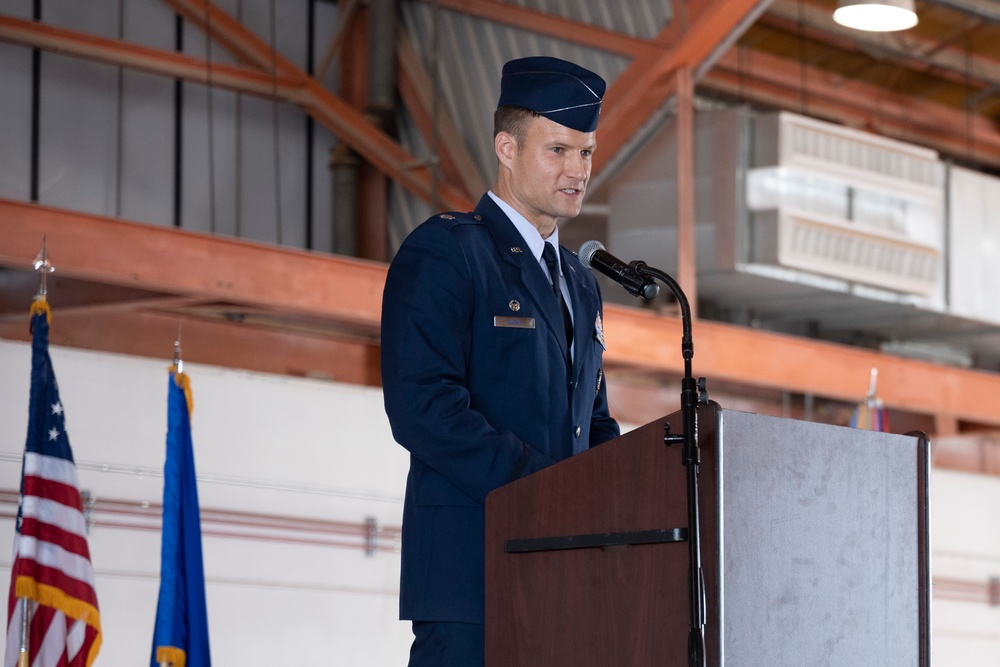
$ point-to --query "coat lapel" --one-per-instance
(538, 288)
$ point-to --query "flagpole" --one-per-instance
(22, 655)
(43, 265)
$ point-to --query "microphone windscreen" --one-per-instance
(587, 251)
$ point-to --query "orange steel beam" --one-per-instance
(647, 84)
(641, 340)
(910, 63)
(777, 82)
(905, 49)
(547, 24)
(345, 16)
(417, 90)
(231, 35)
(185, 263)
(348, 124)
(349, 293)
(212, 342)
(155, 61)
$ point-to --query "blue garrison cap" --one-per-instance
(559, 90)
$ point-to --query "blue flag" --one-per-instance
(181, 633)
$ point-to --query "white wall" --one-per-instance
(311, 449)
(966, 548)
(265, 445)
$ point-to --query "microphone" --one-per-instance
(593, 255)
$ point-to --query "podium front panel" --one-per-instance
(820, 545)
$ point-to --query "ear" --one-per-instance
(506, 146)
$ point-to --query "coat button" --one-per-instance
(576, 433)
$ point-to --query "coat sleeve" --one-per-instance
(427, 311)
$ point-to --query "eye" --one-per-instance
(586, 152)
(557, 149)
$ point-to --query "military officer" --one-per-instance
(492, 343)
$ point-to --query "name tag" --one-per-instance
(514, 322)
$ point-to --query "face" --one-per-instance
(545, 177)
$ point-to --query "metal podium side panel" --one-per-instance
(819, 545)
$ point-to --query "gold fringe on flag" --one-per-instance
(184, 382)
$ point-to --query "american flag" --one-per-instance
(52, 568)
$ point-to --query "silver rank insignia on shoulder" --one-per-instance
(599, 331)
(447, 216)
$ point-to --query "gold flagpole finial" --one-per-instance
(43, 265)
(178, 362)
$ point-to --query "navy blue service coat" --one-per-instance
(476, 388)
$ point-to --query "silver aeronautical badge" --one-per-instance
(599, 331)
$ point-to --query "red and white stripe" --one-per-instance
(52, 558)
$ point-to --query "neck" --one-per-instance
(544, 224)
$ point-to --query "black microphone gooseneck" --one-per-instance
(635, 277)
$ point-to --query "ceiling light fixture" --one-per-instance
(876, 15)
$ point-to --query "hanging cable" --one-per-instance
(435, 104)
(36, 110)
(238, 151)
(274, 124)
(970, 146)
(119, 150)
(803, 75)
(211, 118)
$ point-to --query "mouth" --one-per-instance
(572, 192)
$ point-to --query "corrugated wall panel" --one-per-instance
(78, 116)
(146, 174)
(15, 111)
(107, 134)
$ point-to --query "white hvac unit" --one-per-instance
(815, 229)
(974, 247)
(846, 204)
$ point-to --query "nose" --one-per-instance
(578, 167)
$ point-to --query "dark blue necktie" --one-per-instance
(549, 255)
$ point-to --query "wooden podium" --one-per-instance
(814, 550)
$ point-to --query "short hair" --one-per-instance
(513, 120)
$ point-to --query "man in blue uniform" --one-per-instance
(491, 370)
